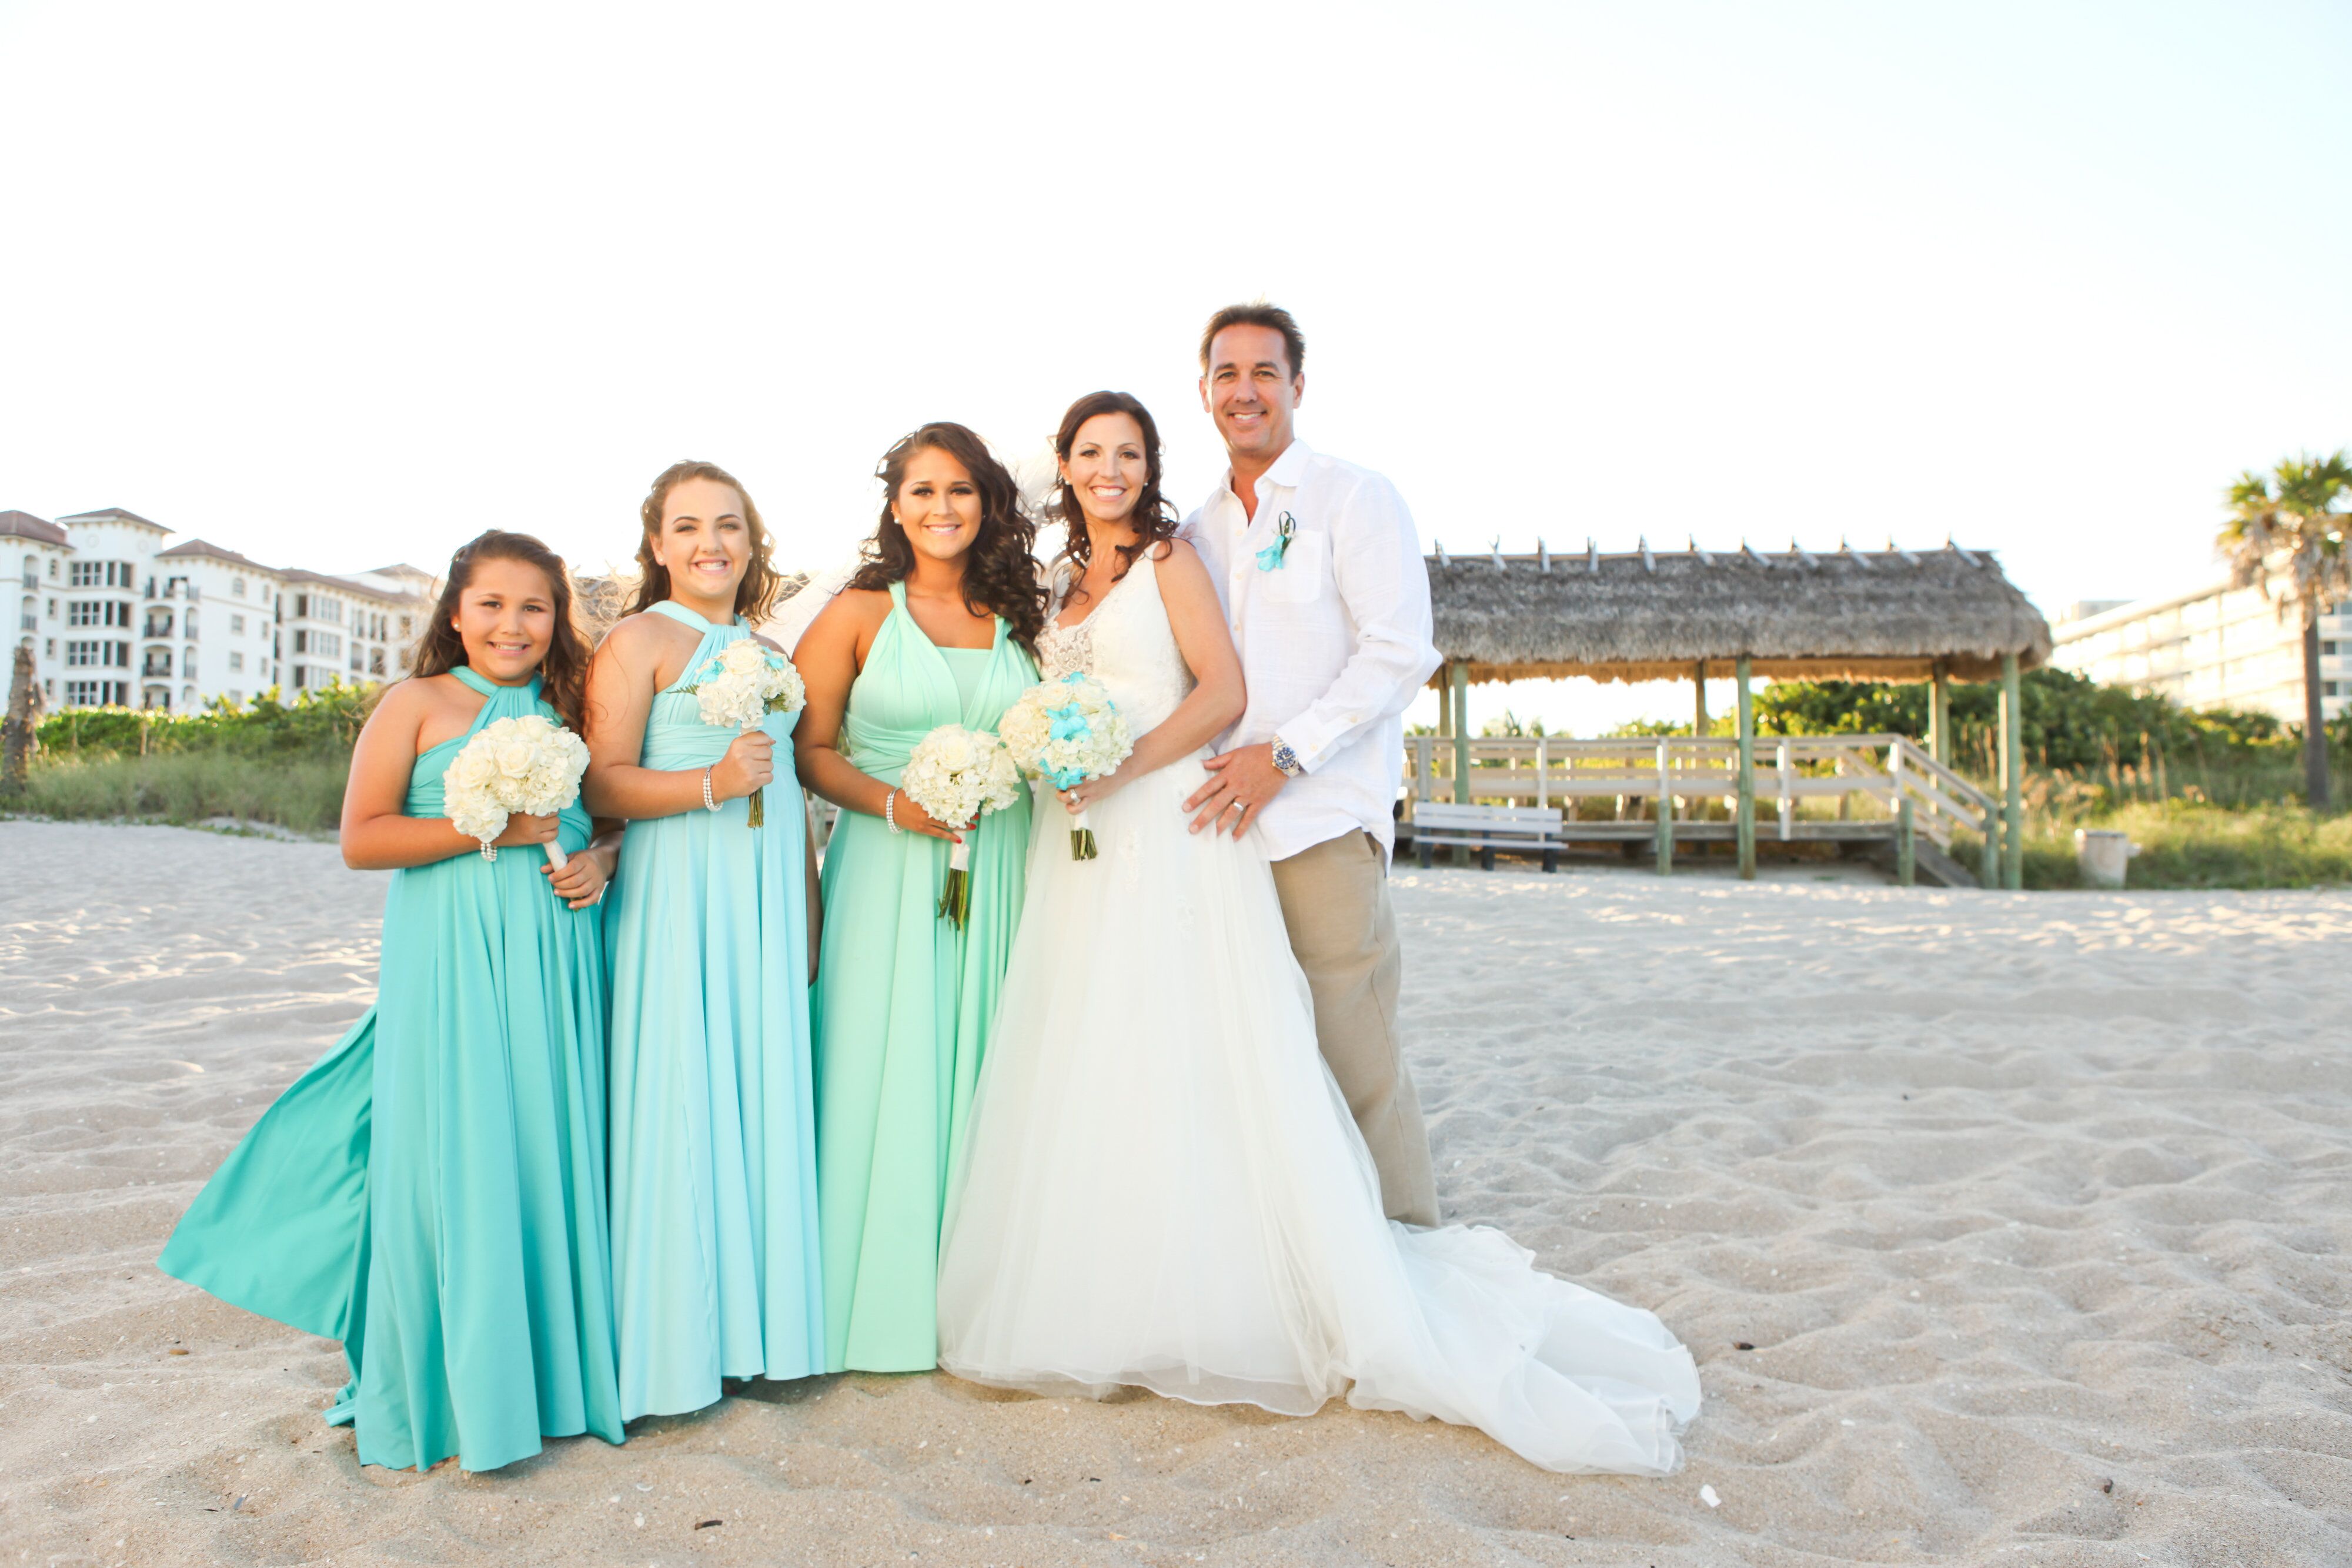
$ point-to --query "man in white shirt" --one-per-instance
(1322, 579)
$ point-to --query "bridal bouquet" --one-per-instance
(531, 765)
(742, 684)
(955, 774)
(1066, 732)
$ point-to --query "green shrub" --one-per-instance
(322, 722)
(304, 793)
(2190, 844)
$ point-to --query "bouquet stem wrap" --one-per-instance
(955, 898)
(757, 810)
(1082, 837)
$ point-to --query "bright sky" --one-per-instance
(333, 285)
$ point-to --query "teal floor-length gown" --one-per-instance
(715, 1265)
(904, 998)
(432, 1192)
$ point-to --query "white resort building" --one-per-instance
(116, 615)
(2215, 646)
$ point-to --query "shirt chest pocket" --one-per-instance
(1306, 568)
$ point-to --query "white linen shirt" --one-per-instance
(1334, 642)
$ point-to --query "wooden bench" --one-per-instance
(1487, 829)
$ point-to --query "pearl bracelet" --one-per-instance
(708, 802)
(890, 812)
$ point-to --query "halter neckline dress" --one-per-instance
(432, 1192)
(714, 1264)
(903, 997)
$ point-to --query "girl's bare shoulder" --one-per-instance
(854, 609)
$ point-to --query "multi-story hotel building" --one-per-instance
(116, 615)
(2215, 646)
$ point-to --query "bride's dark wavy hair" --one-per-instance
(999, 573)
(1153, 518)
(564, 673)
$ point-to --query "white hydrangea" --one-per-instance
(1065, 731)
(526, 764)
(745, 682)
(955, 774)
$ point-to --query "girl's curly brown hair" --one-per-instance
(564, 673)
(754, 596)
(1000, 574)
(1153, 518)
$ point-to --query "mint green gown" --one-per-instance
(903, 997)
(715, 1269)
(432, 1192)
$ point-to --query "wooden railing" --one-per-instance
(1803, 783)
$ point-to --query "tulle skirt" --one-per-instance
(1163, 1187)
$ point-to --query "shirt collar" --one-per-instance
(1287, 471)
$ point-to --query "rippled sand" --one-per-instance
(2031, 1207)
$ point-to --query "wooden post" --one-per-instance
(1543, 772)
(1747, 829)
(1665, 813)
(1698, 716)
(1907, 860)
(1939, 713)
(1458, 680)
(1787, 803)
(2013, 776)
(1988, 857)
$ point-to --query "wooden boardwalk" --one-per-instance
(1881, 792)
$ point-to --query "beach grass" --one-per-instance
(2190, 844)
(304, 793)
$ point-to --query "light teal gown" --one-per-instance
(903, 997)
(715, 1265)
(432, 1192)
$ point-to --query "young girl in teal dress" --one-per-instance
(714, 1142)
(937, 628)
(432, 1193)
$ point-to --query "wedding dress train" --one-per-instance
(1163, 1187)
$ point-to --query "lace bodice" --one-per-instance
(1125, 642)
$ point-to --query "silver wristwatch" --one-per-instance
(1286, 759)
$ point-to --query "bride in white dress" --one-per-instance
(1163, 1187)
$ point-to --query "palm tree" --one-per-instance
(2287, 530)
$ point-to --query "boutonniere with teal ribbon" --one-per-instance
(1270, 557)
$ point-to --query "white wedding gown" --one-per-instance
(1163, 1187)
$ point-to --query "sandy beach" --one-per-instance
(2005, 1229)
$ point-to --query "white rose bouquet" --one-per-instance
(955, 774)
(742, 684)
(1066, 732)
(531, 765)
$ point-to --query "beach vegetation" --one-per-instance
(264, 761)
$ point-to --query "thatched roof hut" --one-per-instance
(1882, 615)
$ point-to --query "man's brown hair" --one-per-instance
(1257, 313)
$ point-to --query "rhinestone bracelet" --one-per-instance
(890, 812)
(709, 804)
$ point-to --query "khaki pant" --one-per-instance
(1334, 900)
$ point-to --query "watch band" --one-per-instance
(1287, 760)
